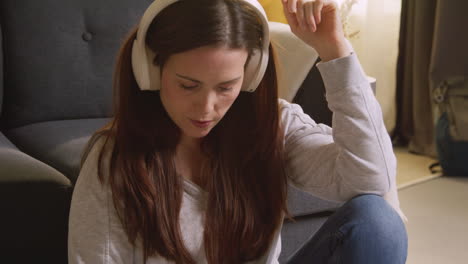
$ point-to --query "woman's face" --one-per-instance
(200, 85)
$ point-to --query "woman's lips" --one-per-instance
(200, 124)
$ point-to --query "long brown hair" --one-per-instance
(246, 181)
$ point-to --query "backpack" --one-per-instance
(451, 129)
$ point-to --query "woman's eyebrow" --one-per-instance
(197, 81)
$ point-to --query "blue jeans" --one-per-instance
(364, 230)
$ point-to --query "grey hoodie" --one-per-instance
(355, 157)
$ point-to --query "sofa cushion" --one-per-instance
(60, 57)
(57, 143)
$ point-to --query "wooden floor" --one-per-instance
(437, 211)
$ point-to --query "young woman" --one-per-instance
(194, 166)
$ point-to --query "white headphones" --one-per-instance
(148, 75)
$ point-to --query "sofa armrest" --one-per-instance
(34, 203)
(14, 165)
(1, 70)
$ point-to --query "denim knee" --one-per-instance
(376, 227)
(365, 230)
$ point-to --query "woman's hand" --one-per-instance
(318, 24)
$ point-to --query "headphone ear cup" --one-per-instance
(147, 73)
(139, 67)
(154, 71)
(252, 70)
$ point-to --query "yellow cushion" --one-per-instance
(274, 10)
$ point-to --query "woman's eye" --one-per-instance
(187, 87)
(224, 89)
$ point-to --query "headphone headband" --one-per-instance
(148, 75)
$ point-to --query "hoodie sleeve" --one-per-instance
(354, 157)
(95, 232)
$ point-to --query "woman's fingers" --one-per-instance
(317, 23)
(310, 17)
(290, 17)
(292, 6)
(318, 6)
(300, 13)
(303, 13)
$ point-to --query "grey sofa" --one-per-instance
(56, 63)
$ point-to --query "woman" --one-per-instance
(195, 164)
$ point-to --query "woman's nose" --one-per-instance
(205, 102)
